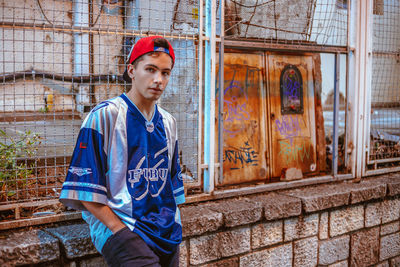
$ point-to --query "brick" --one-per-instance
(393, 185)
(321, 197)
(333, 250)
(339, 264)
(212, 247)
(364, 247)
(75, 240)
(346, 220)
(395, 262)
(390, 210)
(266, 234)
(183, 254)
(93, 262)
(277, 256)
(390, 246)
(30, 247)
(373, 214)
(390, 228)
(301, 227)
(277, 206)
(197, 220)
(367, 190)
(238, 211)
(231, 262)
(323, 225)
(305, 252)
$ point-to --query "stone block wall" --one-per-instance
(342, 224)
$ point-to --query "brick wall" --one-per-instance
(345, 224)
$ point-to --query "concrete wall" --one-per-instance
(339, 224)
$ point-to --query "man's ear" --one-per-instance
(131, 71)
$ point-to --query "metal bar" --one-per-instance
(382, 171)
(285, 47)
(246, 190)
(346, 126)
(385, 53)
(74, 29)
(368, 83)
(221, 95)
(374, 161)
(200, 93)
(209, 97)
(336, 91)
(29, 204)
(6, 77)
(348, 41)
(360, 100)
(351, 96)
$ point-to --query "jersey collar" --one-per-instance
(138, 114)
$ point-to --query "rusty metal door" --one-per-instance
(243, 116)
(291, 116)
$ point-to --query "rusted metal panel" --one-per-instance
(243, 115)
(293, 144)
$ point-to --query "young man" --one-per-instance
(124, 173)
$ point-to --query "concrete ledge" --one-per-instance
(197, 220)
(321, 197)
(30, 247)
(278, 206)
(366, 190)
(237, 211)
(75, 239)
(330, 220)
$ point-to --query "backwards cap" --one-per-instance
(144, 46)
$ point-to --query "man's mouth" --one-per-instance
(156, 89)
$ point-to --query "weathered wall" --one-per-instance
(346, 224)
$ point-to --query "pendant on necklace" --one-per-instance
(149, 126)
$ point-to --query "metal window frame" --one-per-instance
(210, 162)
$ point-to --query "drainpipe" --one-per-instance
(81, 52)
(132, 14)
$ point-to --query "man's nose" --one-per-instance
(158, 77)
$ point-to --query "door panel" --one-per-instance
(292, 116)
(244, 118)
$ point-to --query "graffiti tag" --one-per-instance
(289, 127)
(241, 157)
(293, 153)
(291, 90)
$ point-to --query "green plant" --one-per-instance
(12, 171)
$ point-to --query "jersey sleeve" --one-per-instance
(176, 177)
(86, 177)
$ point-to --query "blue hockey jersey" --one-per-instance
(132, 165)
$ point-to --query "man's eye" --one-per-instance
(166, 73)
(150, 69)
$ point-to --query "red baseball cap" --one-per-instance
(144, 46)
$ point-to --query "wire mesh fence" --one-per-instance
(314, 22)
(384, 151)
(58, 59)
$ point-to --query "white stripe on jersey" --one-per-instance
(160, 152)
(95, 186)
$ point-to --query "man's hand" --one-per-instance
(105, 215)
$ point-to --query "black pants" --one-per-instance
(127, 249)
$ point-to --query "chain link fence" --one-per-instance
(58, 59)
